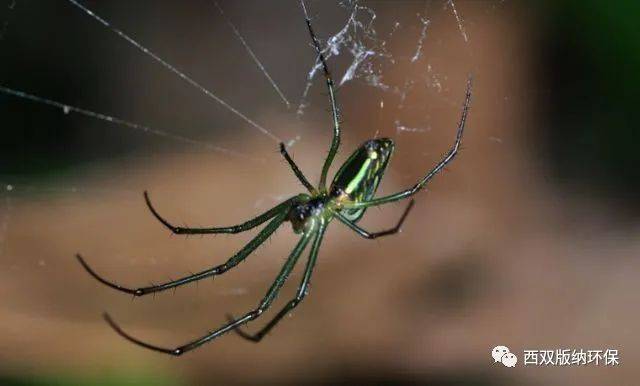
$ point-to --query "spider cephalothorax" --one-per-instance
(350, 194)
(305, 207)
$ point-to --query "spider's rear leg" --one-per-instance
(373, 235)
(335, 141)
(448, 157)
(296, 170)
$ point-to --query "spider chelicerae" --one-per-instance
(348, 197)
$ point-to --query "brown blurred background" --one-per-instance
(528, 240)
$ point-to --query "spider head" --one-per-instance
(302, 210)
(359, 177)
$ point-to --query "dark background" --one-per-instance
(530, 234)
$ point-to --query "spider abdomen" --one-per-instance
(359, 177)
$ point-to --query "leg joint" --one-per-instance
(300, 296)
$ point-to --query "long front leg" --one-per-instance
(374, 235)
(231, 229)
(335, 142)
(293, 303)
(232, 262)
(437, 169)
(233, 324)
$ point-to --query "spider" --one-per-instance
(350, 194)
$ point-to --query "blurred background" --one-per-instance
(528, 239)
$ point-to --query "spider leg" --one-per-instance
(438, 168)
(232, 229)
(232, 262)
(249, 316)
(373, 235)
(335, 142)
(296, 170)
(293, 303)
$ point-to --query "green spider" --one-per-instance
(350, 194)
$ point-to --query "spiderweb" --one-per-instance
(363, 48)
